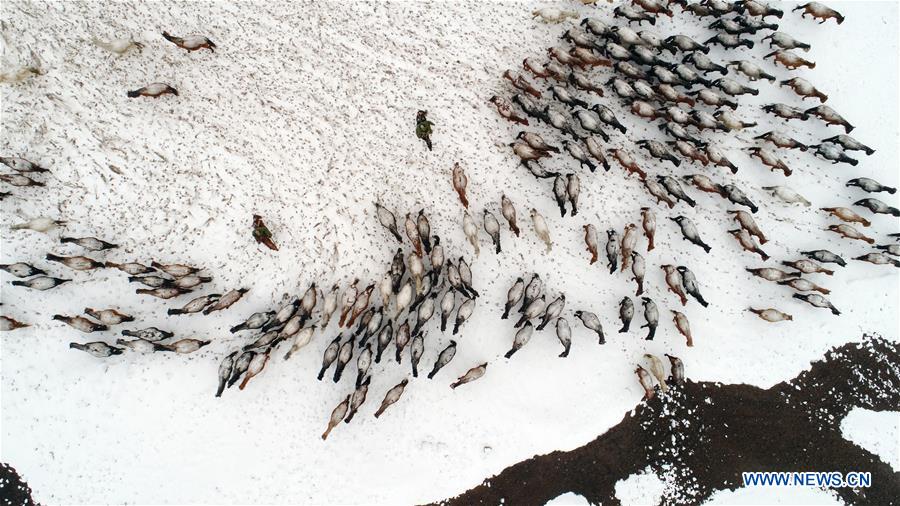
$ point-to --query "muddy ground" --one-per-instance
(700, 437)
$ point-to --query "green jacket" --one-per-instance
(261, 232)
(423, 129)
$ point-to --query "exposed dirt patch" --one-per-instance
(13, 489)
(701, 436)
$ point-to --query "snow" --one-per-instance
(568, 499)
(877, 432)
(304, 114)
(640, 488)
(794, 496)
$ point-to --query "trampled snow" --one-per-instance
(305, 115)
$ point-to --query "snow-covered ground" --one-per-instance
(305, 115)
(642, 488)
(877, 432)
(794, 496)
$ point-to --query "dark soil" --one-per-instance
(13, 489)
(702, 436)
